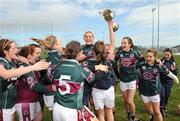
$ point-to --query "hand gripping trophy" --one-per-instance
(108, 16)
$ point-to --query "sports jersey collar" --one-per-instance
(6, 60)
(89, 45)
(72, 60)
(149, 64)
(127, 51)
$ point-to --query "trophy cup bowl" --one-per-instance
(107, 14)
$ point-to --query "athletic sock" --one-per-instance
(133, 116)
(152, 116)
(129, 115)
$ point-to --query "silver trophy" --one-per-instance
(108, 16)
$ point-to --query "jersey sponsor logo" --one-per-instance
(149, 76)
(66, 86)
(90, 54)
(132, 55)
(11, 82)
(127, 62)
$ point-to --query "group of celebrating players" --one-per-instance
(80, 76)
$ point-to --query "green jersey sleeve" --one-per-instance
(87, 74)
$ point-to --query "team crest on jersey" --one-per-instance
(121, 55)
(132, 55)
(126, 62)
(144, 67)
(90, 52)
(155, 70)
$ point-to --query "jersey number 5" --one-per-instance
(64, 86)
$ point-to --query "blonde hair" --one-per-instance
(152, 50)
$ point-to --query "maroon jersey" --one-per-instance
(28, 87)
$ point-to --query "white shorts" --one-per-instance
(27, 110)
(103, 98)
(153, 99)
(7, 113)
(49, 101)
(61, 113)
(127, 86)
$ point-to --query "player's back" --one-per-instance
(68, 75)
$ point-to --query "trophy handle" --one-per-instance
(100, 13)
(115, 27)
(113, 13)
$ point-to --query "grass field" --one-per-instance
(140, 110)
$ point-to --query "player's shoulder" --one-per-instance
(4, 62)
(82, 46)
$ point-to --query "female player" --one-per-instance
(8, 77)
(88, 51)
(127, 59)
(166, 83)
(69, 77)
(149, 83)
(27, 106)
(103, 87)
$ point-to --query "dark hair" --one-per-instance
(129, 41)
(72, 49)
(28, 50)
(152, 50)
(89, 32)
(5, 44)
(99, 49)
(170, 51)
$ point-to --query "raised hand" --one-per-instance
(101, 67)
(41, 65)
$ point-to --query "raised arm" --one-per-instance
(6, 74)
(111, 48)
